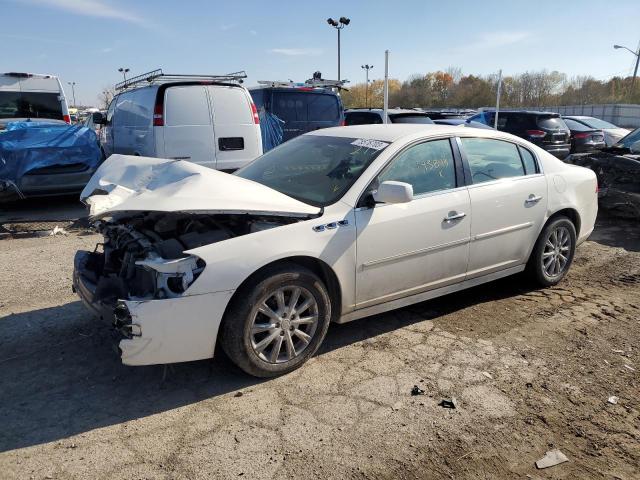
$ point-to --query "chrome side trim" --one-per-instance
(421, 251)
(428, 295)
(502, 231)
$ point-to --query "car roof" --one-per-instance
(577, 117)
(529, 112)
(389, 111)
(396, 131)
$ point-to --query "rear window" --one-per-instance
(303, 107)
(552, 123)
(410, 118)
(576, 126)
(30, 105)
(597, 123)
(361, 118)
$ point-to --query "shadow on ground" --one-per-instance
(60, 375)
(616, 232)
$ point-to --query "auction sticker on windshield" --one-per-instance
(367, 143)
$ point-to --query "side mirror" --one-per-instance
(394, 192)
(635, 147)
(98, 118)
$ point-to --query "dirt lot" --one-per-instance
(531, 370)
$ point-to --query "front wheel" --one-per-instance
(553, 252)
(277, 322)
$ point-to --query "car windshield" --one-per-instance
(314, 169)
(629, 140)
(30, 105)
(597, 123)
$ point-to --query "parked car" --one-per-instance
(334, 225)
(583, 138)
(612, 133)
(32, 96)
(302, 108)
(365, 116)
(461, 121)
(206, 121)
(618, 170)
(545, 129)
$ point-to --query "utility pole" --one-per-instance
(385, 91)
(73, 91)
(339, 25)
(367, 67)
(495, 122)
(635, 70)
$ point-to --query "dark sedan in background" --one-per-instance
(584, 139)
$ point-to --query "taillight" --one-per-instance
(582, 135)
(256, 117)
(66, 118)
(158, 115)
(536, 133)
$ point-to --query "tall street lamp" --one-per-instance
(635, 71)
(366, 88)
(124, 72)
(339, 25)
(73, 91)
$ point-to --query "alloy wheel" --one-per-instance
(557, 249)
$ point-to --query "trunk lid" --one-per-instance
(126, 184)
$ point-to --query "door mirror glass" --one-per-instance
(393, 192)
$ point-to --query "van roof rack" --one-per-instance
(158, 76)
(311, 83)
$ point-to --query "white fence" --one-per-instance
(623, 115)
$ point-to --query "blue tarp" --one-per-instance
(271, 128)
(25, 146)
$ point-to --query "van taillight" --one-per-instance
(158, 117)
(256, 117)
(66, 118)
(536, 133)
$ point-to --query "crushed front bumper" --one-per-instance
(161, 331)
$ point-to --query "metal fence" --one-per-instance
(623, 115)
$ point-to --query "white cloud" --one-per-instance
(107, 50)
(294, 52)
(499, 39)
(227, 27)
(93, 8)
(253, 32)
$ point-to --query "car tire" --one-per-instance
(265, 315)
(553, 252)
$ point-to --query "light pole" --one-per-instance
(366, 88)
(124, 72)
(73, 91)
(339, 25)
(635, 70)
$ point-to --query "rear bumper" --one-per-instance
(162, 331)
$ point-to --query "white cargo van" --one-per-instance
(31, 96)
(209, 120)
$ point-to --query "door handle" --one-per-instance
(533, 199)
(454, 216)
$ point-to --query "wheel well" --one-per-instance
(317, 266)
(571, 214)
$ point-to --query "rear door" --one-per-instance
(188, 133)
(508, 203)
(306, 111)
(237, 135)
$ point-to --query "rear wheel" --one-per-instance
(277, 322)
(553, 253)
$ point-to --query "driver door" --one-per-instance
(405, 249)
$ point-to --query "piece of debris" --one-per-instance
(238, 394)
(551, 458)
(416, 390)
(396, 406)
(58, 231)
(613, 400)
(629, 367)
(488, 375)
(448, 403)
(617, 351)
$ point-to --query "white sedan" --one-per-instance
(332, 226)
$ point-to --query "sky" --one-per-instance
(86, 41)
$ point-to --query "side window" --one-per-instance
(361, 118)
(492, 159)
(428, 167)
(529, 161)
(323, 107)
(290, 106)
(112, 107)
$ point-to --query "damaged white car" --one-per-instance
(332, 226)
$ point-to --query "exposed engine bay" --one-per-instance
(143, 256)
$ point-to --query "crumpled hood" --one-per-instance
(126, 183)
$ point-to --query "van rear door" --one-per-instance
(237, 136)
(188, 133)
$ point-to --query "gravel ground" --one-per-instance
(531, 370)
